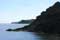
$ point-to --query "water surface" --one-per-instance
(4, 35)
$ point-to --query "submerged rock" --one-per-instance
(47, 22)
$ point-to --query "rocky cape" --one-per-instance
(24, 21)
(47, 22)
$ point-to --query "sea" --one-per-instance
(21, 35)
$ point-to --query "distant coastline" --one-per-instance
(24, 21)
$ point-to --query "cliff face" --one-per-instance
(47, 22)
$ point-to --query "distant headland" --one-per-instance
(24, 21)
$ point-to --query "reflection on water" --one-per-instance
(42, 36)
(54, 36)
(49, 36)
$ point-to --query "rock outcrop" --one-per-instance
(47, 22)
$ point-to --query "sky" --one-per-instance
(16, 10)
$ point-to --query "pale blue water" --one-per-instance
(4, 35)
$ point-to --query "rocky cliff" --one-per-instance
(47, 22)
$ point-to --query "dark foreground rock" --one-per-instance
(47, 22)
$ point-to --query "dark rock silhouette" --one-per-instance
(47, 22)
(9, 30)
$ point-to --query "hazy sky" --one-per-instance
(15, 10)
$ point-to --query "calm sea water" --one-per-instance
(4, 35)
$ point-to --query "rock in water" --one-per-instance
(47, 22)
